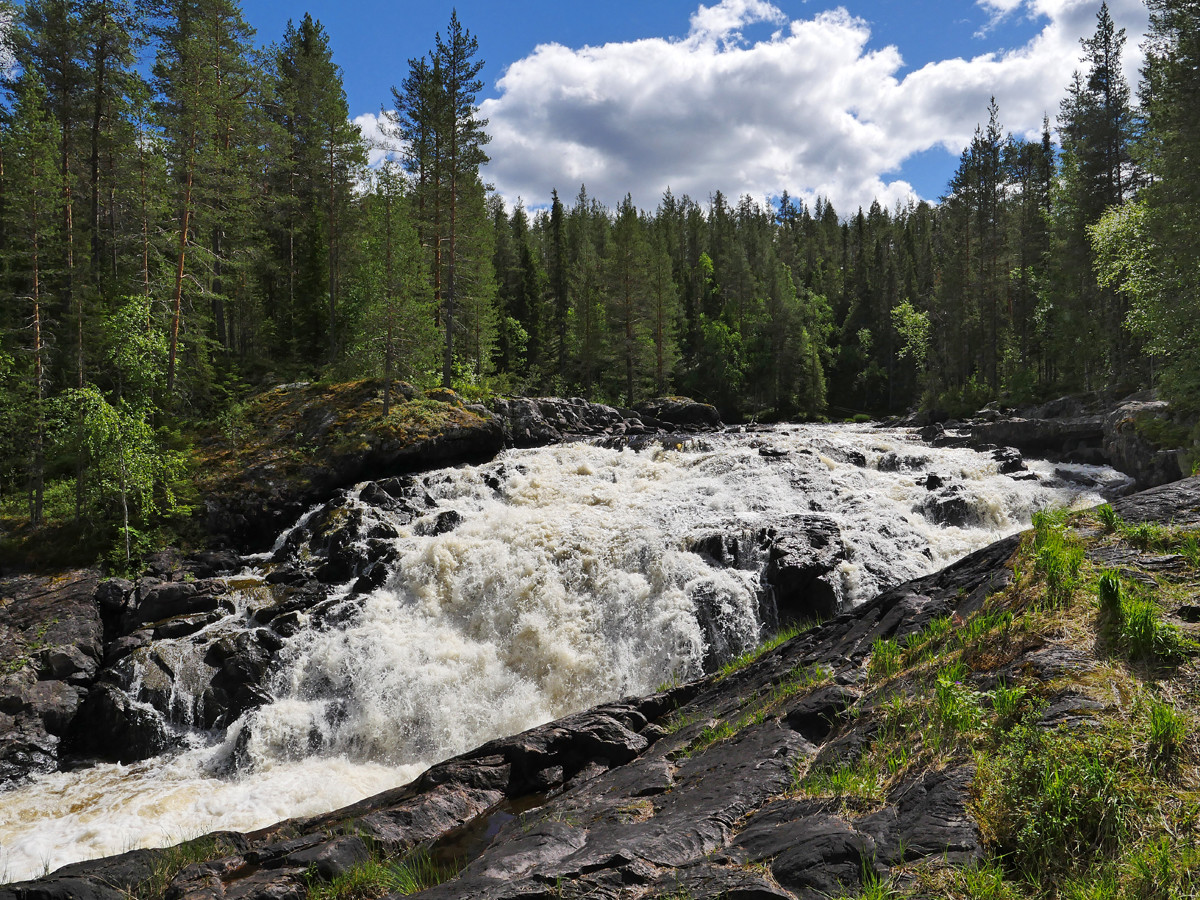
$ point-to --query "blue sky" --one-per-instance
(864, 99)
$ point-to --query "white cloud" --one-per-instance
(375, 131)
(6, 57)
(809, 109)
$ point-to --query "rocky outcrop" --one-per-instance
(1128, 448)
(1078, 438)
(298, 444)
(537, 421)
(1137, 436)
(51, 647)
(680, 413)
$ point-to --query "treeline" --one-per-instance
(178, 233)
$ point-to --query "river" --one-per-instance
(567, 581)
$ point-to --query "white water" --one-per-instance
(571, 585)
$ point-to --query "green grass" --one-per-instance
(886, 659)
(170, 862)
(379, 877)
(861, 779)
(1058, 558)
(753, 655)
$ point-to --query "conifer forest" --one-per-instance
(188, 216)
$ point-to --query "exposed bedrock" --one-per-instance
(1139, 435)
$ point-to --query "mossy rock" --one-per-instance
(444, 395)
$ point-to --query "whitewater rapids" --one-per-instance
(569, 581)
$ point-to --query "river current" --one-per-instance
(570, 580)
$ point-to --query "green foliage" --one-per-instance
(885, 659)
(1064, 799)
(750, 656)
(1146, 636)
(1058, 558)
(170, 862)
(957, 707)
(1168, 732)
(412, 873)
(1110, 591)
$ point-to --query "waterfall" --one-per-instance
(540, 584)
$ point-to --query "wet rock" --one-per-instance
(727, 551)
(113, 726)
(901, 462)
(1008, 460)
(804, 553)
(442, 523)
(949, 507)
(931, 433)
(934, 482)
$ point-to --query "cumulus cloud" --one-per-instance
(380, 142)
(812, 109)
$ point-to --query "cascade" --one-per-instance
(475, 602)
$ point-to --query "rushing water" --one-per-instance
(569, 581)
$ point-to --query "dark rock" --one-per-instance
(51, 646)
(1129, 449)
(442, 523)
(112, 596)
(804, 554)
(898, 462)
(728, 551)
(934, 482)
(827, 858)
(1173, 504)
(949, 507)
(1078, 439)
(177, 598)
(931, 433)
(928, 819)
(1190, 614)
(1008, 460)
(682, 413)
(211, 563)
(816, 715)
(112, 726)
(332, 858)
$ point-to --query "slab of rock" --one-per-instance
(804, 556)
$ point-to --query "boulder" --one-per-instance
(681, 413)
(1129, 447)
(949, 507)
(804, 555)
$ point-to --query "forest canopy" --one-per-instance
(178, 234)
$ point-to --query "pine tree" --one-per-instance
(313, 170)
(33, 190)
(208, 95)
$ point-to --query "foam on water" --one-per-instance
(569, 584)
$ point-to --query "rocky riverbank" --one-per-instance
(1140, 435)
(847, 754)
(296, 445)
